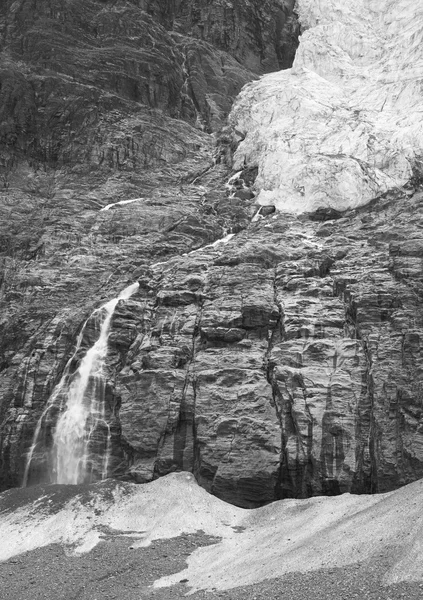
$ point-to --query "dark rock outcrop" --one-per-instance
(282, 363)
(260, 34)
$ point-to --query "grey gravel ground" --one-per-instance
(113, 571)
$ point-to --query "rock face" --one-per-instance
(261, 34)
(286, 362)
(272, 354)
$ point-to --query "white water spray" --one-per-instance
(82, 418)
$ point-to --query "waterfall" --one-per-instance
(81, 426)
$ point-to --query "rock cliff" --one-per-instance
(275, 356)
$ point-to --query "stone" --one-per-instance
(265, 211)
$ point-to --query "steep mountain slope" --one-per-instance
(101, 102)
(273, 357)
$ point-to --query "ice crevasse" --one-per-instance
(345, 124)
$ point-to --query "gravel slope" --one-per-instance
(113, 571)
(169, 538)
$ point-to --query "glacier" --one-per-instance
(344, 124)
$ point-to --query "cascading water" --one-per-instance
(84, 413)
(81, 428)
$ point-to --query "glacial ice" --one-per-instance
(344, 125)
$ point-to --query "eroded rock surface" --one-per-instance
(300, 369)
(261, 34)
(284, 362)
(271, 354)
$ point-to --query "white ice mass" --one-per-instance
(345, 123)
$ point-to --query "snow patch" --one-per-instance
(215, 244)
(120, 203)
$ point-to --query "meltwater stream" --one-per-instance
(79, 399)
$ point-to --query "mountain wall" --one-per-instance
(274, 354)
